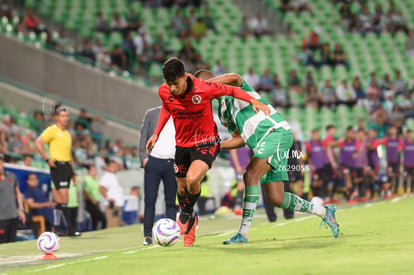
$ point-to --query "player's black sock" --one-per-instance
(181, 200)
(67, 215)
(187, 210)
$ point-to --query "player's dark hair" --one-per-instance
(315, 130)
(203, 74)
(28, 176)
(409, 131)
(329, 127)
(58, 108)
(349, 128)
(172, 69)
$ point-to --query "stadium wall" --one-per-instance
(67, 78)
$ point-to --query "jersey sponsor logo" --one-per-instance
(171, 98)
(184, 114)
(176, 169)
(196, 99)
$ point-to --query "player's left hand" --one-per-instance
(257, 105)
(22, 217)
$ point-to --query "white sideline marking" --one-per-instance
(75, 262)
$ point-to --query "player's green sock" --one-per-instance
(251, 198)
(293, 202)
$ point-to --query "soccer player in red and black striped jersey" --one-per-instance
(188, 101)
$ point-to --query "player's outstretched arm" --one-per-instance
(231, 79)
(235, 142)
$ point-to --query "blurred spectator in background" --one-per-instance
(101, 25)
(311, 41)
(279, 96)
(309, 80)
(284, 6)
(87, 51)
(198, 29)
(15, 144)
(409, 44)
(11, 205)
(258, 25)
(5, 10)
(160, 54)
(399, 84)
(252, 79)
(92, 199)
(372, 102)
(365, 20)
(208, 20)
(346, 14)
(111, 191)
(244, 29)
(38, 201)
(85, 120)
(118, 23)
(130, 209)
(354, 23)
(21, 27)
(178, 22)
(266, 83)
(119, 59)
(28, 141)
(389, 102)
(50, 42)
(374, 89)
(32, 22)
(97, 48)
(339, 56)
(306, 58)
(311, 96)
(345, 94)
(8, 125)
(386, 83)
(27, 160)
(104, 58)
(327, 95)
(294, 82)
(377, 19)
(218, 69)
(326, 56)
(65, 43)
(398, 23)
(142, 42)
(359, 91)
(406, 105)
(133, 21)
(193, 17)
(300, 5)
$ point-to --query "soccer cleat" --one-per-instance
(330, 220)
(236, 239)
(147, 241)
(183, 227)
(189, 235)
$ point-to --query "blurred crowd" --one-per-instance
(89, 146)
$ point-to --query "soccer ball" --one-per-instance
(48, 242)
(165, 232)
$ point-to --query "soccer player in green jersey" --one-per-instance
(270, 138)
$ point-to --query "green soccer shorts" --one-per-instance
(275, 148)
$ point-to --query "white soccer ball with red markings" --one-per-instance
(165, 232)
(48, 242)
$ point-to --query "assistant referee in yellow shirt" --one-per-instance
(60, 161)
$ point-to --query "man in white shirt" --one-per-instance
(345, 94)
(112, 194)
(259, 25)
(159, 164)
(252, 79)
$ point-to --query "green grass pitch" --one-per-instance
(376, 238)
